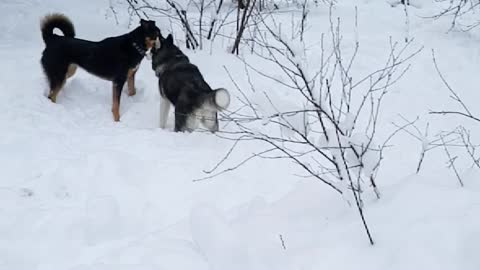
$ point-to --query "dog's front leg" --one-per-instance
(117, 87)
(131, 81)
(164, 109)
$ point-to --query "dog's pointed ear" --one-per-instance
(144, 23)
(169, 39)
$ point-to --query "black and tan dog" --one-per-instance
(115, 59)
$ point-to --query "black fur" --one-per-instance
(56, 21)
(183, 85)
(114, 59)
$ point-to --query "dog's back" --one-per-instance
(106, 58)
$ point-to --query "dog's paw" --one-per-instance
(138, 94)
(116, 115)
(132, 92)
(52, 98)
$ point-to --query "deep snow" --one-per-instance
(79, 192)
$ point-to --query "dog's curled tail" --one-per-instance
(56, 20)
(221, 98)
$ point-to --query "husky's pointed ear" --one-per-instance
(169, 39)
(221, 98)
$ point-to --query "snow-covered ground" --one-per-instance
(80, 192)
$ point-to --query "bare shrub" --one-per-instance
(329, 130)
(462, 12)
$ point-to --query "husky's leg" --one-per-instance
(192, 122)
(181, 117)
(164, 109)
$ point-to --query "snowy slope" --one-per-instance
(80, 192)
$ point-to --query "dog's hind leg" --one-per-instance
(192, 123)
(164, 109)
(56, 74)
(55, 89)
(181, 118)
(57, 84)
(71, 70)
(184, 119)
(117, 87)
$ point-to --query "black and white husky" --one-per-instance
(182, 84)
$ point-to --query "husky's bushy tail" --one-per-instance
(221, 98)
(56, 20)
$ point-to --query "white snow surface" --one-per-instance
(80, 192)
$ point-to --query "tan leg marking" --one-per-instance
(131, 81)
(71, 70)
(54, 92)
(115, 104)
